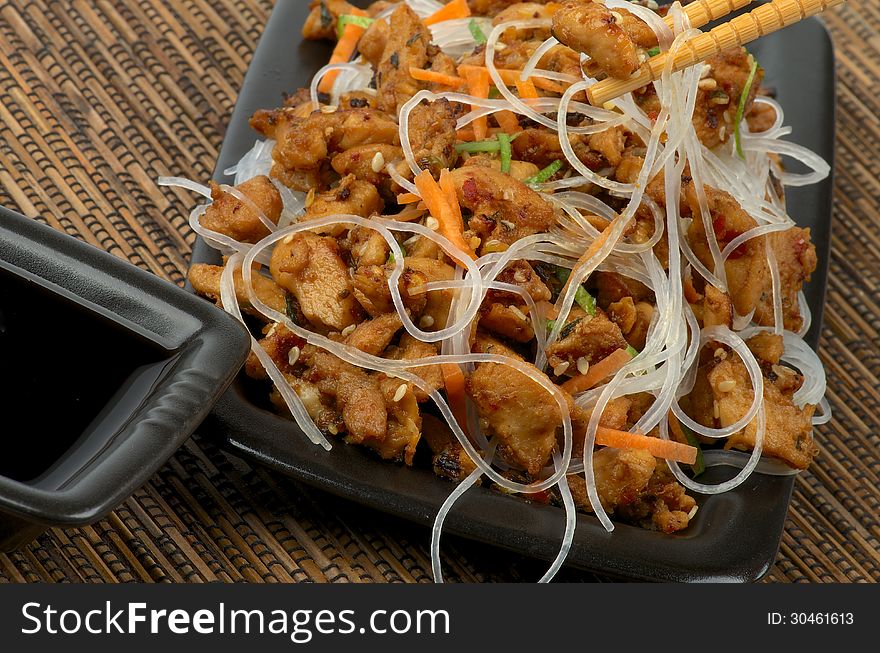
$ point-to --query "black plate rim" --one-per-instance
(242, 429)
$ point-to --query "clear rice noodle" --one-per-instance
(666, 365)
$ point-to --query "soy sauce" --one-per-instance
(69, 380)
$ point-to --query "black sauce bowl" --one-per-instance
(106, 370)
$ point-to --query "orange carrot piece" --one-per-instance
(511, 77)
(526, 89)
(342, 53)
(438, 205)
(601, 370)
(667, 449)
(408, 198)
(436, 78)
(508, 121)
(478, 86)
(454, 9)
(448, 189)
(454, 382)
(591, 251)
(547, 84)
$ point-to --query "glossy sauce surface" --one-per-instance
(69, 378)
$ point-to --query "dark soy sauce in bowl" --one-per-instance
(71, 379)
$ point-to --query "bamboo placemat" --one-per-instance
(99, 98)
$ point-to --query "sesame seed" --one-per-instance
(617, 17)
(507, 224)
(411, 240)
(583, 365)
(293, 356)
(518, 313)
(349, 329)
(272, 330)
(328, 109)
(333, 430)
(431, 223)
(507, 195)
(401, 391)
(474, 242)
(652, 5)
(310, 198)
(378, 162)
(287, 239)
(727, 385)
(560, 369)
(704, 72)
(716, 409)
(493, 245)
(708, 84)
(426, 322)
(722, 132)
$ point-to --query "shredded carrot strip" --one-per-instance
(507, 120)
(453, 380)
(547, 84)
(601, 370)
(478, 86)
(511, 77)
(438, 205)
(342, 53)
(591, 251)
(448, 189)
(455, 9)
(526, 89)
(408, 198)
(667, 449)
(467, 134)
(436, 78)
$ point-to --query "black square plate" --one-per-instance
(107, 369)
(734, 536)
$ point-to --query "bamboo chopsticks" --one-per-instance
(763, 20)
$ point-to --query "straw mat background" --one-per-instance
(99, 98)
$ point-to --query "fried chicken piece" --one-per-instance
(309, 266)
(503, 208)
(514, 408)
(432, 134)
(612, 38)
(205, 280)
(237, 219)
(412, 349)
(373, 336)
(324, 17)
(796, 260)
(304, 145)
(592, 337)
(746, 267)
(351, 196)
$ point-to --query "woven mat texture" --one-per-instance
(99, 98)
